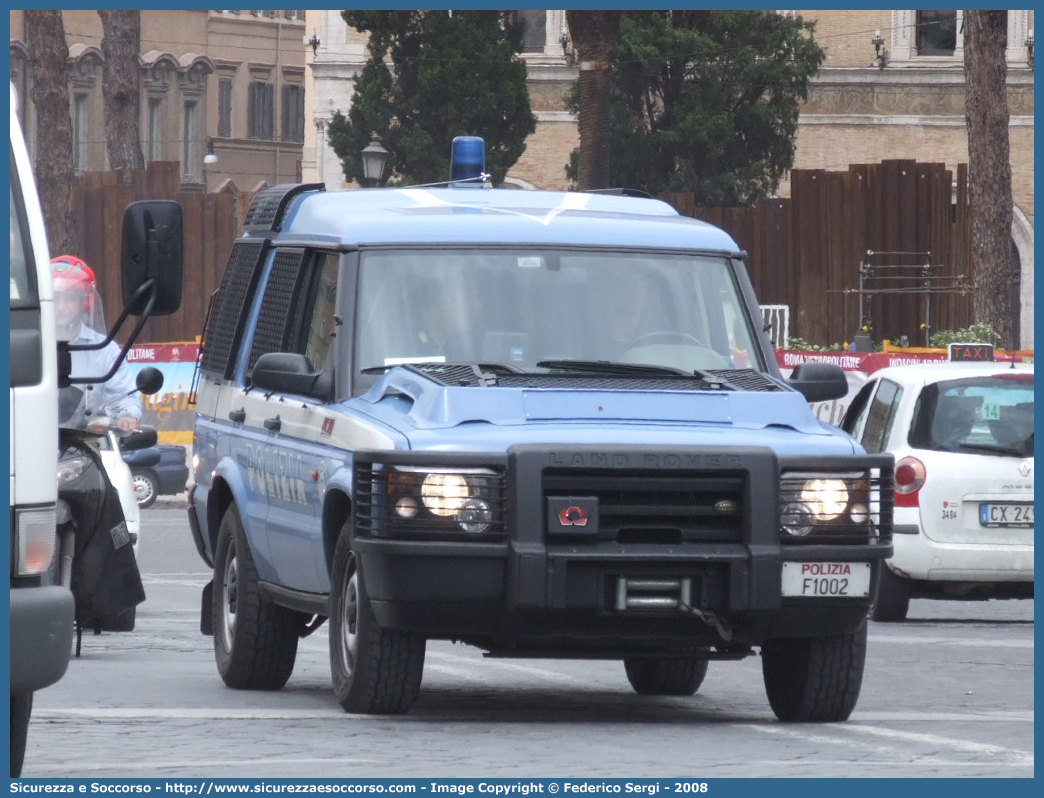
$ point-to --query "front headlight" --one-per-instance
(820, 504)
(71, 469)
(416, 499)
(444, 494)
(826, 498)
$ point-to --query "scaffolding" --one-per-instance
(920, 278)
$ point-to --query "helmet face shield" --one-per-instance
(76, 299)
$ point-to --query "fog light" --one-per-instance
(406, 507)
(799, 519)
(475, 516)
(859, 513)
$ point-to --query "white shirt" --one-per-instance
(120, 390)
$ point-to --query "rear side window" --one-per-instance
(880, 416)
(989, 414)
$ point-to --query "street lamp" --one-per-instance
(374, 157)
(880, 58)
(211, 156)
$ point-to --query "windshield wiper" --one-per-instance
(1019, 450)
(616, 368)
(495, 368)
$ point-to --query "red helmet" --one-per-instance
(72, 276)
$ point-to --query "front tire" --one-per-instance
(255, 641)
(892, 601)
(146, 488)
(814, 679)
(375, 671)
(676, 676)
(21, 709)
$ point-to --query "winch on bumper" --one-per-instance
(601, 551)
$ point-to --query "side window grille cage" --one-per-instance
(278, 307)
(224, 328)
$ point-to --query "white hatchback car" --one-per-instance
(962, 437)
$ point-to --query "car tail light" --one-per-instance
(909, 479)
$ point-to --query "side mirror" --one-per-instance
(284, 372)
(819, 382)
(149, 380)
(152, 249)
(139, 439)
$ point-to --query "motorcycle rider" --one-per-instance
(78, 316)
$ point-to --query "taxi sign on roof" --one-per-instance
(970, 353)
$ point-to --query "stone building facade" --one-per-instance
(258, 89)
(891, 87)
(230, 84)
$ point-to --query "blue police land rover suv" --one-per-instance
(544, 424)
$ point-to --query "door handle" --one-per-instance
(237, 416)
(273, 424)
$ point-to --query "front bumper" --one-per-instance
(994, 556)
(917, 557)
(41, 636)
(665, 578)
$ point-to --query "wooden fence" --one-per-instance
(808, 252)
(805, 252)
(212, 223)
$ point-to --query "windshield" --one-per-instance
(987, 415)
(523, 308)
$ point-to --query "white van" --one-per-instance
(41, 610)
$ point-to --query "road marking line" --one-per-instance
(1011, 755)
(934, 739)
(951, 641)
(318, 713)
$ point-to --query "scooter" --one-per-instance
(96, 550)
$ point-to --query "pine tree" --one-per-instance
(431, 76)
(707, 101)
(996, 281)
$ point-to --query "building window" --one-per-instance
(936, 32)
(936, 38)
(293, 113)
(225, 108)
(295, 14)
(261, 111)
(153, 130)
(81, 125)
(189, 145)
(535, 36)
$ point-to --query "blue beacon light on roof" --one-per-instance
(468, 161)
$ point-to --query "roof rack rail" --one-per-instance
(267, 208)
(621, 192)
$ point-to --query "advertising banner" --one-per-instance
(169, 410)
